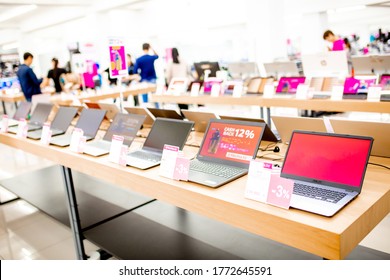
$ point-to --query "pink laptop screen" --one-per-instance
(233, 142)
(354, 86)
(325, 157)
(385, 82)
(289, 84)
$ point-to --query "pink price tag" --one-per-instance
(182, 169)
(4, 124)
(280, 191)
(46, 135)
(83, 141)
(123, 156)
(171, 148)
(22, 129)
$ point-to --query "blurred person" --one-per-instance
(337, 42)
(55, 75)
(29, 82)
(350, 52)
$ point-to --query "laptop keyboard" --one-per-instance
(145, 156)
(220, 170)
(318, 193)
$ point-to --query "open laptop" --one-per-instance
(201, 119)
(141, 111)
(59, 125)
(289, 85)
(126, 125)
(164, 113)
(268, 135)
(286, 125)
(328, 170)
(380, 131)
(21, 113)
(164, 131)
(227, 148)
(89, 121)
(357, 88)
(38, 117)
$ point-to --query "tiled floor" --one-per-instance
(27, 233)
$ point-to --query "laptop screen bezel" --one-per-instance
(224, 161)
(139, 118)
(323, 182)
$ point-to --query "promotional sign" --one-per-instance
(374, 94)
(118, 64)
(116, 148)
(182, 168)
(4, 124)
(337, 93)
(280, 191)
(22, 129)
(46, 134)
(77, 141)
(168, 161)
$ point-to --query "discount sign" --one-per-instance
(241, 133)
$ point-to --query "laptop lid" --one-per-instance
(385, 82)
(289, 84)
(90, 120)
(355, 85)
(22, 111)
(380, 131)
(165, 113)
(231, 142)
(167, 131)
(328, 159)
(201, 119)
(63, 118)
(126, 125)
(141, 111)
(112, 110)
(41, 113)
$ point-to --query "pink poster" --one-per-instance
(118, 66)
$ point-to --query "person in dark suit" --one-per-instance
(29, 82)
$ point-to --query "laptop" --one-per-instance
(286, 125)
(328, 170)
(59, 125)
(380, 131)
(289, 85)
(89, 121)
(38, 117)
(256, 84)
(268, 135)
(126, 125)
(164, 131)
(201, 119)
(141, 111)
(164, 113)
(112, 110)
(226, 151)
(21, 113)
(357, 88)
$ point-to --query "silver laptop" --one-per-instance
(60, 124)
(164, 131)
(201, 119)
(21, 113)
(126, 125)
(164, 113)
(141, 111)
(328, 170)
(38, 117)
(112, 110)
(227, 148)
(89, 122)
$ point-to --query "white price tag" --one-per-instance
(123, 156)
(46, 134)
(337, 93)
(195, 89)
(269, 91)
(77, 141)
(22, 129)
(302, 91)
(215, 90)
(374, 94)
(4, 124)
(237, 90)
(116, 148)
(168, 161)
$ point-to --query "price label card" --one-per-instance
(76, 144)
(215, 90)
(4, 124)
(195, 89)
(280, 191)
(374, 94)
(337, 93)
(116, 148)
(123, 155)
(22, 129)
(182, 168)
(237, 90)
(269, 91)
(259, 178)
(46, 134)
(168, 161)
(302, 91)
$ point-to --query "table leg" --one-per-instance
(73, 213)
(261, 112)
(269, 117)
(16, 105)
(4, 110)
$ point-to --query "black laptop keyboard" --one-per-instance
(318, 193)
(220, 170)
(145, 156)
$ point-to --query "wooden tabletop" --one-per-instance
(331, 238)
(12, 97)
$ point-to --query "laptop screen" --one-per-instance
(355, 86)
(289, 84)
(232, 141)
(41, 113)
(126, 125)
(90, 120)
(334, 159)
(22, 111)
(385, 82)
(63, 118)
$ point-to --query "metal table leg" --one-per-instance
(4, 110)
(16, 105)
(261, 112)
(269, 116)
(73, 213)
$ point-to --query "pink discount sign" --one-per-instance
(118, 66)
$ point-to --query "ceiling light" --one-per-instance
(11, 13)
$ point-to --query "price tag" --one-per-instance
(237, 90)
(46, 134)
(269, 91)
(4, 124)
(337, 93)
(302, 91)
(123, 155)
(168, 161)
(280, 191)
(116, 148)
(215, 90)
(195, 89)
(374, 94)
(182, 168)
(22, 129)
(77, 141)
(259, 177)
